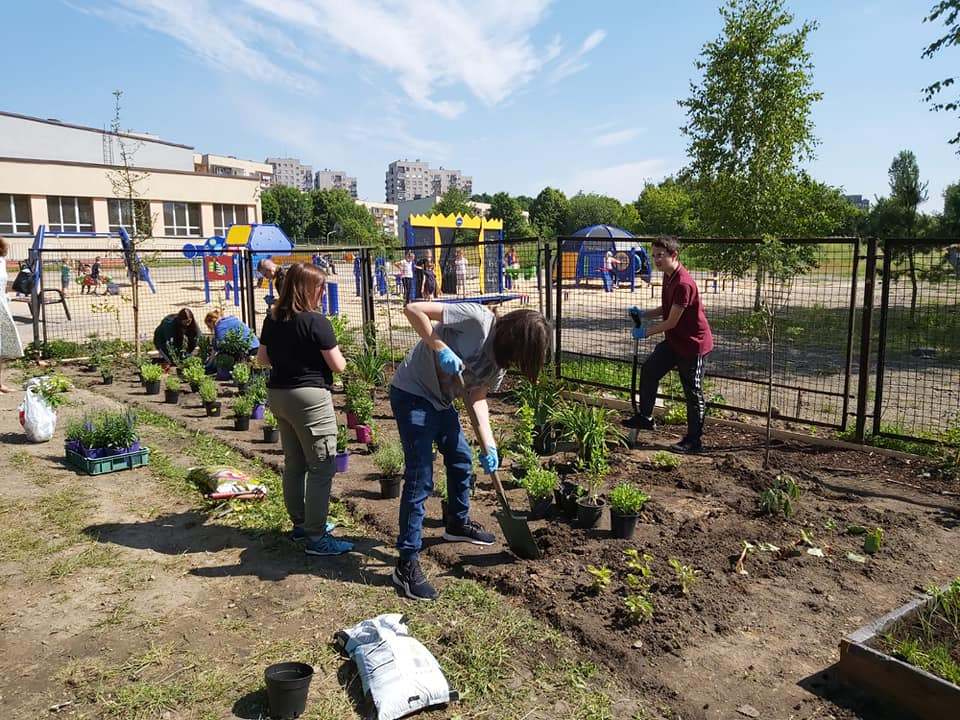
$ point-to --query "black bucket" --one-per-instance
(287, 687)
(588, 516)
(622, 527)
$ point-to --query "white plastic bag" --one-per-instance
(397, 672)
(39, 420)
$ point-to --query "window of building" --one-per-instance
(70, 214)
(226, 215)
(181, 219)
(15, 214)
(134, 218)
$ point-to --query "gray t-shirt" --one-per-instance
(466, 329)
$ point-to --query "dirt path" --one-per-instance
(127, 596)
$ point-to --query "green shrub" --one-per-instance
(627, 499)
(540, 483)
(589, 426)
(663, 460)
(150, 372)
(194, 372)
(269, 419)
(208, 390)
(173, 383)
(343, 438)
(242, 406)
(257, 390)
(389, 459)
(235, 344)
(240, 373)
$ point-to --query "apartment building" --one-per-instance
(386, 215)
(335, 180)
(412, 180)
(230, 166)
(61, 175)
(291, 172)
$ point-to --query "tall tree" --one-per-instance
(749, 126)
(548, 212)
(335, 215)
(591, 209)
(292, 210)
(454, 202)
(908, 192)
(666, 209)
(950, 222)
(506, 208)
(949, 10)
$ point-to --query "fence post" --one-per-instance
(34, 303)
(558, 320)
(547, 301)
(866, 326)
(882, 339)
(851, 318)
(366, 293)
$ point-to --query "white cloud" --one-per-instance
(624, 181)
(617, 137)
(574, 63)
(434, 50)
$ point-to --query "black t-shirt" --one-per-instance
(294, 348)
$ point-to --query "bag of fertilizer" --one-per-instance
(223, 481)
(396, 671)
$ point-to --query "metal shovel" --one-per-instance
(516, 529)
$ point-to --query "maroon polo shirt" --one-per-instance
(691, 336)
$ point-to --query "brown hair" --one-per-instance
(668, 243)
(298, 291)
(191, 330)
(521, 339)
(4, 248)
(212, 317)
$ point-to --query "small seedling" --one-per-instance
(663, 460)
(686, 575)
(638, 563)
(601, 578)
(830, 524)
(781, 497)
(639, 608)
(636, 584)
(873, 541)
(748, 547)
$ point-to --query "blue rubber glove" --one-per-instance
(639, 333)
(449, 362)
(489, 460)
(635, 309)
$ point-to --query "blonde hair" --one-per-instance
(298, 291)
(212, 318)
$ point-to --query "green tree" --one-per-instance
(749, 128)
(481, 197)
(454, 202)
(337, 216)
(666, 209)
(949, 10)
(950, 222)
(629, 218)
(506, 208)
(269, 207)
(908, 192)
(524, 201)
(548, 212)
(292, 210)
(591, 209)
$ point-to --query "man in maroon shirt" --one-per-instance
(687, 344)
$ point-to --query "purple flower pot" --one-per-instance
(364, 434)
(257, 412)
(351, 420)
(342, 461)
(223, 373)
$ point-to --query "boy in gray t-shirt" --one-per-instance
(470, 341)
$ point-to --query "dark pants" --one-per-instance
(407, 283)
(421, 425)
(661, 361)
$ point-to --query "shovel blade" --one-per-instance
(517, 533)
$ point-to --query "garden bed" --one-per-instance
(731, 640)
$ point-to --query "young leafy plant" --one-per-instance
(343, 438)
(590, 427)
(686, 575)
(523, 430)
(781, 497)
(173, 383)
(540, 483)
(638, 563)
(873, 540)
(639, 607)
(150, 372)
(270, 420)
(235, 344)
(193, 372)
(368, 364)
(627, 499)
(596, 474)
(389, 459)
(663, 460)
(208, 390)
(240, 373)
(257, 390)
(242, 406)
(600, 578)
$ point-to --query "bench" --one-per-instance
(44, 300)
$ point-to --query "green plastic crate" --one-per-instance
(114, 463)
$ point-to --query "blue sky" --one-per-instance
(519, 94)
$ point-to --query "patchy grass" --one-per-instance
(92, 556)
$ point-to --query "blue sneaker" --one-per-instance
(299, 535)
(327, 545)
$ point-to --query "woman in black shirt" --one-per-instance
(299, 345)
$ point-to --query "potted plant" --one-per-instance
(257, 392)
(368, 364)
(590, 427)
(389, 461)
(105, 442)
(356, 392)
(540, 484)
(271, 433)
(224, 364)
(590, 505)
(172, 390)
(106, 372)
(241, 376)
(236, 345)
(193, 372)
(626, 502)
(242, 405)
(543, 398)
(151, 378)
(208, 394)
(363, 409)
(342, 457)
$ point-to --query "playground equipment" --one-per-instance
(438, 230)
(582, 255)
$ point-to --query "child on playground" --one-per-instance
(65, 276)
(428, 285)
(460, 266)
(688, 341)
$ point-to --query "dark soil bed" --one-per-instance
(761, 642)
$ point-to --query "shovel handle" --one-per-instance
(475, 423)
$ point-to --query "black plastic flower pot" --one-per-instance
(567, 496)
(241, 387)
(287, 687)
(588, 514)
(390, 487)
(539, 507)
(171, 396)
(271, 434)
(152, 387)
(241, 423)
(622, 527)
(213, 409)
(108, 380)
(443, 511)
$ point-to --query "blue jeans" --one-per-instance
(421, 425)
(607, 280)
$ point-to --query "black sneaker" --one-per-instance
(471, 532)
(685, 447)
(639, 422)
(409, 579)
